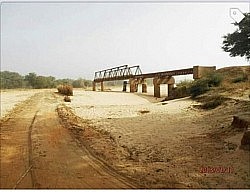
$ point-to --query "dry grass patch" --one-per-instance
(65, 90)
(213, 102)
(210, 101)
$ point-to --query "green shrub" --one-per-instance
(199, 87)
(214, 79)
(184, 83)
(241, 78)
(180, 92)
(203, 85)
(65, 90)
(213, 102)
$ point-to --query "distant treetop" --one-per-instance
(238, 42)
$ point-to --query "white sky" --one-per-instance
(72, 40)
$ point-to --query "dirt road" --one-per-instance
(38, 152)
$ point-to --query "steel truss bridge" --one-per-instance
(125, 72)
(135, 76)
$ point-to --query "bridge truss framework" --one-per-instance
(135, 77)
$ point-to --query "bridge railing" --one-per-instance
(117, 73)
(167, 73)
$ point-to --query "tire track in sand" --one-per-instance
(38, 152)
(29, 170)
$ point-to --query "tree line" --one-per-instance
(13, 80)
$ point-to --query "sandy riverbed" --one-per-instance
(168, 143)
(160, 144)
(11, 98)
(108, 105)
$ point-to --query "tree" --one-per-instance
(51, 82)
(39, 82)
(31, 79)
(81, 83)
(238, 42)
(64, 81)
(11, 80)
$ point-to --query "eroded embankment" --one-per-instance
(169, 151)
(124, 159)
(100, 145)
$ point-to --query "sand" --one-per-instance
(166, 144)
(108, 105)
(160, 144)
(11, 98)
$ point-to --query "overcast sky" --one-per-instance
(76, 39)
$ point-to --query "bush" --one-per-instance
(65, 90)
(241, 78)
(199, 87)
(214, 79)
(180, 92)
(213, 102)
(185, 83)
(203, 85)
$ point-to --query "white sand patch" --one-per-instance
(10, 98)
(103, 105)
(106, 98)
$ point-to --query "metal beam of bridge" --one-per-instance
(166, 73)
(124, 72)
(117, 73)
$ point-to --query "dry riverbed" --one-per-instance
(141, 142)
(11, 98)
(167, 144)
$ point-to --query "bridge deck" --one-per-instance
(125, 76)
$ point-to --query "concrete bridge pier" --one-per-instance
(170, 89)
(143, 82)
(157, 81)
(133, 85)
(144, 86)
(157, 90)
(102, 86)
(94, 86)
